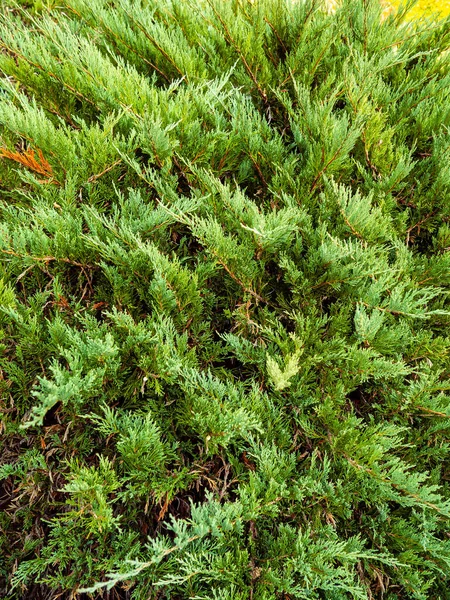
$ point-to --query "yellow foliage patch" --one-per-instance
(429, 7)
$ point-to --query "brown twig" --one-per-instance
(98, 175)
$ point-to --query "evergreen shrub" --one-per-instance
(224, 290)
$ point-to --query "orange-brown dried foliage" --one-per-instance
(38, 164)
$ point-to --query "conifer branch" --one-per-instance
(234, 44)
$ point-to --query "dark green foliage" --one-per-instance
(224, 311)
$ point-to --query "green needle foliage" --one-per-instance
(224, 301)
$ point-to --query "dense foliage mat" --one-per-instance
(224, 277)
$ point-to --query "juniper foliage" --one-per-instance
(224, 311)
